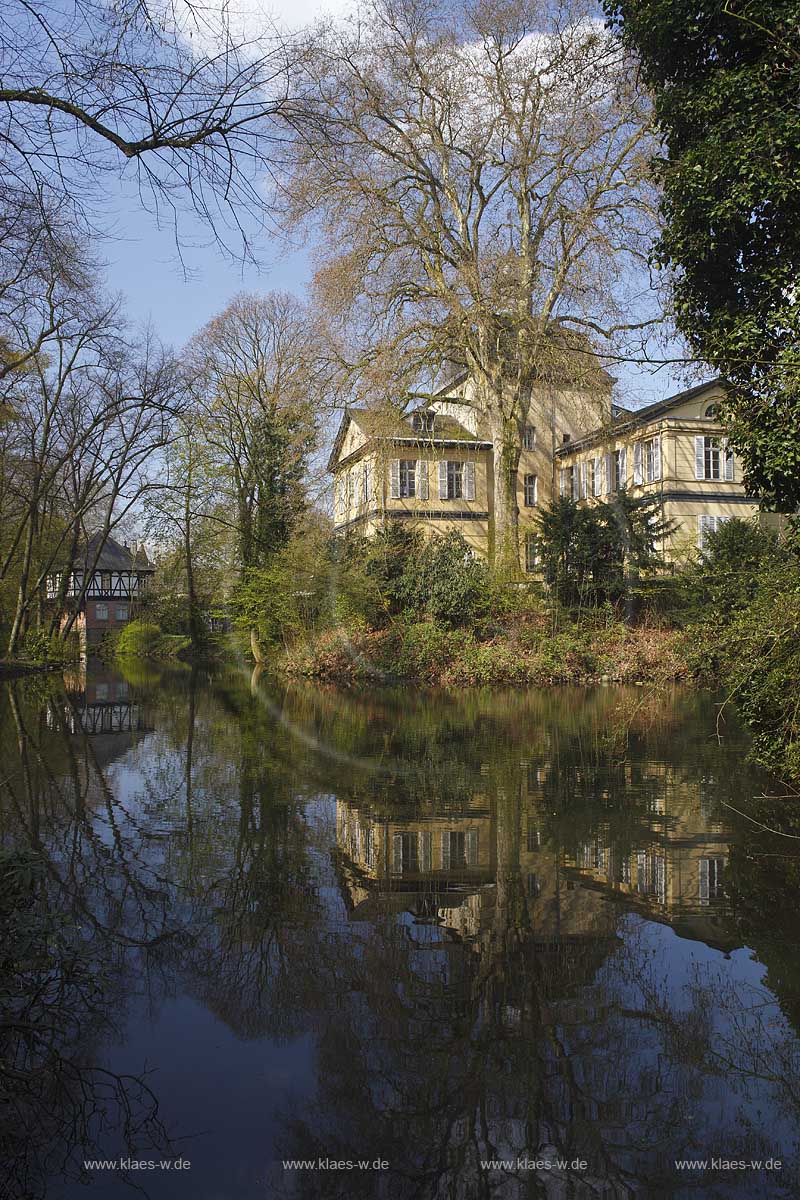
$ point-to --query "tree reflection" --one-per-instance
(468, 902)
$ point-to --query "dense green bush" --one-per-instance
(761, 663)
(727, 575)
(591, 555)
(142, 639)
(40, 647)
(446, 581)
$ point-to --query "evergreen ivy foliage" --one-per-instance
(725, 79)
(595, 553)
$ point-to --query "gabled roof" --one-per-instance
(385, 425)
(113, 556)
(630, 419)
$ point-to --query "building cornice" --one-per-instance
(414, 514)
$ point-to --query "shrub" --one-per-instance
(39, 647)
(761, 665)
(426, 648)
(142, 639)
(446, 581)
(726, 577)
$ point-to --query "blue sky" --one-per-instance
(142, 263)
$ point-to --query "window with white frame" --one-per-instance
(616, 470)
(530, 486)
(647, 461)
(529, 437)
(411, 852)
(122, 612)
(459, 848)
(408, 478)
(531, 552)
(706, 524)
(365, 482)
(652, 459)
(713, 458)
(101, 612)
(568, 482)
(456, 480)
(596, 472)
(423, 422)
(710, 871)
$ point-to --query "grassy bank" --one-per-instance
(530, 653)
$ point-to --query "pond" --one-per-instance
(436, 945)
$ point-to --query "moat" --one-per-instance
(475, 945)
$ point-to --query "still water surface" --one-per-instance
(428, 931)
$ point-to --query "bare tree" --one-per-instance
(90, 415)
(88, 88)
(255, 387)
(478, 178)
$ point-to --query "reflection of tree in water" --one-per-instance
(65, 970)
(539, 1027)
(528, 1044)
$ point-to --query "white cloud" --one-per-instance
(208, 25)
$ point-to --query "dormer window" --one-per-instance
(422, 422)
(711, 412)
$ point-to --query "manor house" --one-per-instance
(434, 466)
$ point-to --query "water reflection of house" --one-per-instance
(97, 702)
(425, 864)
(672, 868)
(443, 869)
(665, 858)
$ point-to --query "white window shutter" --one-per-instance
(727, 458)
(424, 845)
(638, 476)
(469, 481)
(702, 528)
(699, 457)
(422, 479)
(609, 474)
(584, 477)
(623, 467)
(657, 456)
(366, 482)
(562, 481)
(598, 476)
(702, 881)
(394, 479)
(397, 852)
(472, 847)
(443, 480)
(446, 851)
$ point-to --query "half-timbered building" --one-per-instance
(106, 585)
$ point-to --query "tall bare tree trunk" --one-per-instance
(504, 536)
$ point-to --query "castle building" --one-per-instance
(434, 466)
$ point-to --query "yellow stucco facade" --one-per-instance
(675, 452)
(435, 468)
